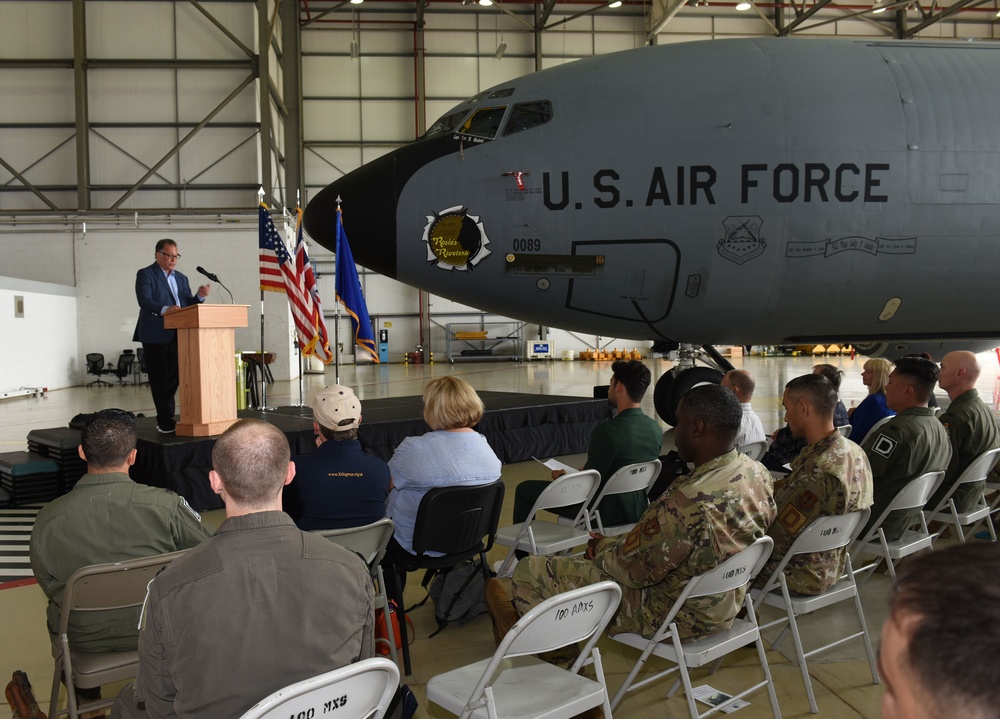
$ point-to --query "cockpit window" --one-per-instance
(447, 123)
(506, 92)
(528, 115)
(484, 122)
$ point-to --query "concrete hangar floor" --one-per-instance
(840, 677)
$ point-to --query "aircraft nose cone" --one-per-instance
(368, 201)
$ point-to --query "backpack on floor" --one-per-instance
(457, 594)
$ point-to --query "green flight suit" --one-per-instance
(972, 430)
(910, 444)
(106, 518)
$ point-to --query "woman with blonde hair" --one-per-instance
(452, 453)
(875, 374)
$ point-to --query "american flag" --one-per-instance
(317, 343)
(278, 273)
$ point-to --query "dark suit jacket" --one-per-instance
(153, 294)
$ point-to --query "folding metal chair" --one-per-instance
(754, 450)
(736, 572)
(361, 690)
(946, 510)
(99, 588)
(370, 542)
(513, 684)
(823, 534)
(639, 476)
(845, 430)
(913, 496)
(540, 536)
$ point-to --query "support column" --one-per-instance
(291, 68)
(263, 73)
(81, 104)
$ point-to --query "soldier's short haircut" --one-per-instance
(952, 598)
(817, 390)
(252, 459)
(921, 373)
(108, 438)
(716, 407)
(743, 381)
(634, 376)
(833, 374)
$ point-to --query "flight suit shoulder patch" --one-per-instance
(884, 445)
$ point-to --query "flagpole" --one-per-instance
(263, 382)
(302, 401)
(336, 320)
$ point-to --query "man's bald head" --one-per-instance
(959, 372)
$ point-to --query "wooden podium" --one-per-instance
(206, 349)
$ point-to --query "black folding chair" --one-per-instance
(453, 521)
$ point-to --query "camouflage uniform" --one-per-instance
(908, 445)
(830, 477)
(972, 431)
(721, 507)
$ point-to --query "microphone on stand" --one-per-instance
(215, 278)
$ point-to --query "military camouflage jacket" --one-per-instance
(704, 518)
(830, 477)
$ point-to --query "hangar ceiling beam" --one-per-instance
(24, 181)
(208, 118)
(662, 12)
(543, 13)
(859, 14)
(222, 28)
(946, 12)
(802, 16)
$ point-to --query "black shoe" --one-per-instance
(164, 430)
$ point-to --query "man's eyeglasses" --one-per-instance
(170, 257)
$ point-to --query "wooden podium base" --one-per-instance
(203, 429)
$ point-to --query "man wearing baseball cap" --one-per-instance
(338, 485)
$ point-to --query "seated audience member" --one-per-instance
(106, 518)
(257, 607)
(784, 447)
(704, 518)
(741, 383)
(939, 645)
(912, 443)
(628, 437)
(972, 429)
(338, 485)
(875, 376)
(452, 453)
(932, 402)
(829, 477)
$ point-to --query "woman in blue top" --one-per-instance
(875, 375)
(452, 453)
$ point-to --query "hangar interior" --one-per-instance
(124, 122)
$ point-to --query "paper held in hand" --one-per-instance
(555, 464)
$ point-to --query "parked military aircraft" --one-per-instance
(751, 191)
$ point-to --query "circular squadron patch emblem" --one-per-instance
(455, 239)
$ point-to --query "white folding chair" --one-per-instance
(875, 427)
(913, 496)
(361, 690)
(539, 536)
(512, 684)
(630, 478)
(845, 430)
(736, 572)
(370, 541)
(823, 534)
(99, 588)
(754, 450)
(946, 511)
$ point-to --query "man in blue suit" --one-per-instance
(160, 289)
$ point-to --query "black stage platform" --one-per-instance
(517, 426)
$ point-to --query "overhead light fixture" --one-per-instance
(998, 13)
(485, 3)
(743, 6)
(356, 2)
(501, 49)
(615, 3)
(880, 6)
(355, 50)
